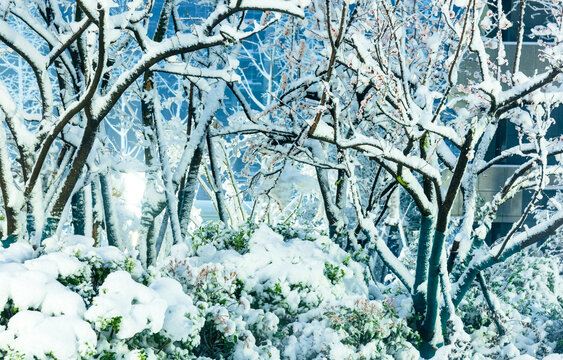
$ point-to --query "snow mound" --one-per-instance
(36, 335)
(179, 322)
(30, 289)
(127, 306)
(272, 262)
(17, 252)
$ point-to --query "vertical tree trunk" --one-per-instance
(79, 212)
(88, 211)
(97, 218)
(160, 237)
(146, 233)
(331, 210)
(189, 190)
(71, 179)
(393, 221)
(432, 294)
(150, 208)
(169, 191)
(217, 186)
(341, 189)
(423, 255)
(112, 223)
(340, 202)
(431, 317)
(7, 187)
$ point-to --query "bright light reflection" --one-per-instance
(133, 188)
(134, 236)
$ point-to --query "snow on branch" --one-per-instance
(227, 75)
(507, 99)
(378, 147)
(36, 61)
(518, 242)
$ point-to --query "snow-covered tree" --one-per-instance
(418, 89)
(84, 56)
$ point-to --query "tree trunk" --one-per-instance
(331, 211)
(86, 144)
(330, 208)
(97, 219)
(169, 190)
(432, 293)
(160, 238)
(423, 254)
(150, 209)
(189, 190)
(79, 212)
(112, 223)
(146, 233)
(7, 188)
(217, 186)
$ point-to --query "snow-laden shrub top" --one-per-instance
(276, 298)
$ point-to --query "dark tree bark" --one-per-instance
(78, 212)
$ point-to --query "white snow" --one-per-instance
(178, 324)
(137, 306)
(37, 335)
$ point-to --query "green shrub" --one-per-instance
(334, 273)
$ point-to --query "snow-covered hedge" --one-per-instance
(248, 294)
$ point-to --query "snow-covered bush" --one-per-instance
(527, 294)
(71, 300)
(32, 334)
(354, 329)
(272, 297)
(221, 237)
(277, 285)
(372, 327)
(87, 266)
(277, 297)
